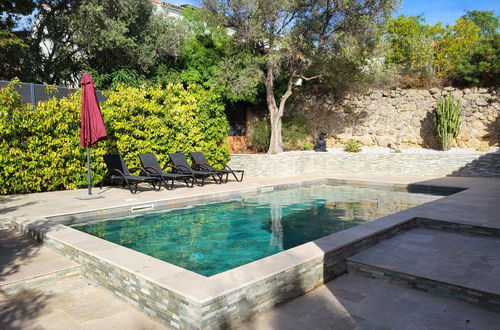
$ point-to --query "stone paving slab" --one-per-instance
(356, 302)
(25, 263)
(464, 260)
(71, 304)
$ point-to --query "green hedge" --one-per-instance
(39, 146)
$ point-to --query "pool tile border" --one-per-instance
(183, 299)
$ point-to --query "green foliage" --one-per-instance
(12, 53)
(307, 146)
(447, 119)
(486, 20)
(39, 147)
(127, 77)
(352, 146)
(260, 134)
(410, 44)
(209, 57)
(398, 151)
(480, 65)
(465, 53)
(294, 134)
(115, 34)
(452, 43)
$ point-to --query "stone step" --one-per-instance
(463, 266)
(27, 265)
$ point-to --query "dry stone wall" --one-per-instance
(304, 163)
(401, 117)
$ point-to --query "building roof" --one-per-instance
(163, 3)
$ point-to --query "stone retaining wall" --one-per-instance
(400, 117)
(296, 164)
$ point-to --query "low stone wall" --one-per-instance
(400, 117)
(296, 164)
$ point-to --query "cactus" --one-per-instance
(447, 119)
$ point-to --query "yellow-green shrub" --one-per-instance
(39, 146)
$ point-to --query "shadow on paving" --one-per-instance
(487, 165)
(15, 251)
(17, 312)
(9, 199)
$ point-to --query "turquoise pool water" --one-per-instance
(212, 238)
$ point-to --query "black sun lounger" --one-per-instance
(117, 169)
(202, 162)
(153, 168)
(181, 166)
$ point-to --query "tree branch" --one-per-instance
(310, 78)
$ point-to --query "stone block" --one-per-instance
(481, 101)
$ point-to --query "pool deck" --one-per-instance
(478, 206)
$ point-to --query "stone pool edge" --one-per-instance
(181, 298)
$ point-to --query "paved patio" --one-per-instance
(360, 303)
(478, 206)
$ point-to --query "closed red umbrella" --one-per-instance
(92, 126)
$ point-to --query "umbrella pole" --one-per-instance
(88, 169)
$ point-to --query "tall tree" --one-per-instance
(297, 40)
(54, 55)
(454, 41)
(12, 53)
(486, 20)
(410, 43)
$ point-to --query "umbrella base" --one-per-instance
(87, 196)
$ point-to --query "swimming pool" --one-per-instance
(210, 238)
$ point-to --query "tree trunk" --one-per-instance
(276, 142)
(275, 112)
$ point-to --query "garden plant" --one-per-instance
(447, 119)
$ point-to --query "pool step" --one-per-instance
(26, 265)
(458, 265)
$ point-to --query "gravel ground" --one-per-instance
(380, 150)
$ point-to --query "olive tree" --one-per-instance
(298, 40)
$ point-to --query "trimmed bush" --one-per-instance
(39, 147)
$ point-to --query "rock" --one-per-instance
(365, 140)
(425, 93)
(457, 95)
(384, 141)
(483, 147)
(408, 107)
(471, 96)
(481, 101)
(434, 90)
(448, 89)
(376, 95)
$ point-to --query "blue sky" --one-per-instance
(445, 11)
